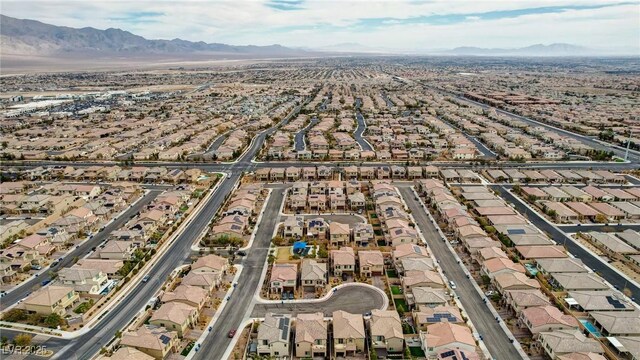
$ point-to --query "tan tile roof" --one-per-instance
(48, 295)
(175, 312)
(386, 323)
(311, 327)
(442, 334)
(147, 337)
(346, 325)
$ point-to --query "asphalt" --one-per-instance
(359, 131)
(486, 152)
(593, 262)
(240, 304)
(299, 143)
(354, 299)
(83, 249)
(496, 340)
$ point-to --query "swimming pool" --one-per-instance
(591, 328)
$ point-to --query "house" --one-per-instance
(496, 266)
(191, 295)
(417, 264)
(599, 300)
(546, 318)
(406, 251)
(348, 334)
(204, 280)
(175, 316)
(157, 342)
(416, 278)
(313, 274)
(130, 353)
(108, 267)
(424, 296)
(84, 281)
(426, 316)
(514, 281)
(343, 261)
(283, 278)
(317, 229)
(118, 250)
(578, 282)
(356, 201)
(617, 323)
(445, 336)
(51, 299)
(339, 234)
(311, 335)
(560, 265)
(294, 227)
(386, 332)
(371, 263)
(363, 234)
(274, 335)
(211, 264)
(561, 342)
(518, 300)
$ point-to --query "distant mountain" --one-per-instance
(30, 37)
(351, 47)
(533, 50)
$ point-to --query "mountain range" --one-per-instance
(558, 49)
(30, 37)
(27, 42)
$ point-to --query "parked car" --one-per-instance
(452, 285)
(145, 278)
(36, 267)
(232, 333)
(241, 253)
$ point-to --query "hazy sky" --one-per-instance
(399, 24)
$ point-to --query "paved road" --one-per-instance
(486, 152)
(593, 262)
(86, 247)
(494, 337)
(240, 304)
(90, 343)
(353, 299)
(300, 144)
(359, 131)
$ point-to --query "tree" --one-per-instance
(15, 315)
(22, 340)
(601, 219)
(53, 320)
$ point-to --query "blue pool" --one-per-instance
(591, 328)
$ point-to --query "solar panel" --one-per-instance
(447, 354)
(165, 339)
(615, 302)
(515, 231)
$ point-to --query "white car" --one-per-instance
(452, 285)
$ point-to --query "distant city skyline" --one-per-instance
(395, 26)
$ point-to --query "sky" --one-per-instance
(402, 25)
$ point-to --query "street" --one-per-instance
(21, 291)
(494, 337)
(593, 262)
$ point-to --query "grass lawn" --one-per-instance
(82, 308)
(401, 305)
(392, 274)
(416, 351)
(187, 348)
(396, 290)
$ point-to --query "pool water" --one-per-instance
(591, 328)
